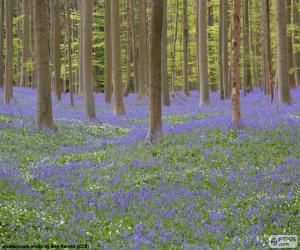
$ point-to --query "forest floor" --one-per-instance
(205, 186)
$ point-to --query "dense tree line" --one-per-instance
(150, 48)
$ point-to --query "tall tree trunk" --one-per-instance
(18, 67)
(118, 105)
(33, 72)
(9, 51)
(164, 61)
(235, 71)
(129, 80)
(69, 49)
(107, 52)
(282, 58)
(174, 48)
(87, 57)
(185, 50)
(267, 49)
(220, 49)
(297, 41)
(44, 119)
(155, 120)
(225, 74)
(80, 70)
(56, 50)
(247, 68)
(291, 77)
(142, 49)
(26, 41)
(202, 57)
(134, 47)
(1, 42)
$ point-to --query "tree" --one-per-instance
(225, 74)
(297, 41)
(1, 42)
(142, 49)
(267, 50)
(290, 44)
(155, 120)
(8, 93)
(235, 71)
(87, 56)
(26, 41)
(164, 63)
(220, 49)
(118, 105)
(202, 57)
(185, 50)
(56, 49)
(107, 52)
(247, 70)
(44, 119)
(282, 61)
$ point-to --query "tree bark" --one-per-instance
(202, 57)
(282, 58)
(164, 65)
(297, 41)
(87, 57)
(235, 71)
(80, 70)
(107, 52)
(44, 119)
(225, 74)
(247, 69)
(291, 77)
(267, 50)
(26, 41)
(142, 49)
(174, 48)
(9, 52)
(220, 49)
(118, 105)
(185, 50)
(1, 42)
(155, 120)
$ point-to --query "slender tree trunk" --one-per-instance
(225, 74)
(87, 57)
(282, 58)
(142, 49)
(56, 50)
(68, 36)
(220, 49)
(202, 57)
(247, 68)
(174, 48)
(297, 41)
(107, 51)
(235, 71)
(291, 77)
(44, 120)
(1, 42)
(134, 47)
(185, 50)
(33, 73)
(26, 41)
(18, 67)
(118, 105)
(164, 62)
(80, 70)
(267, 49)
(155, 120)
(9, 51)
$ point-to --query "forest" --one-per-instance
(149, 124)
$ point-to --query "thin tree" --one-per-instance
(267, 50)
(297, 41)
(155, 120)
(247, 66)
(118, 104)
(220, 49)
(164, 65)
(87, 57)
(202, 57)
(235, 65)
(1, 42)
(9, 52)
(185, 50)
(25, 41)
(44, 119)
(290, 44)
(225, 71)
(107, 52)
(174, 48)
(282, 60)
